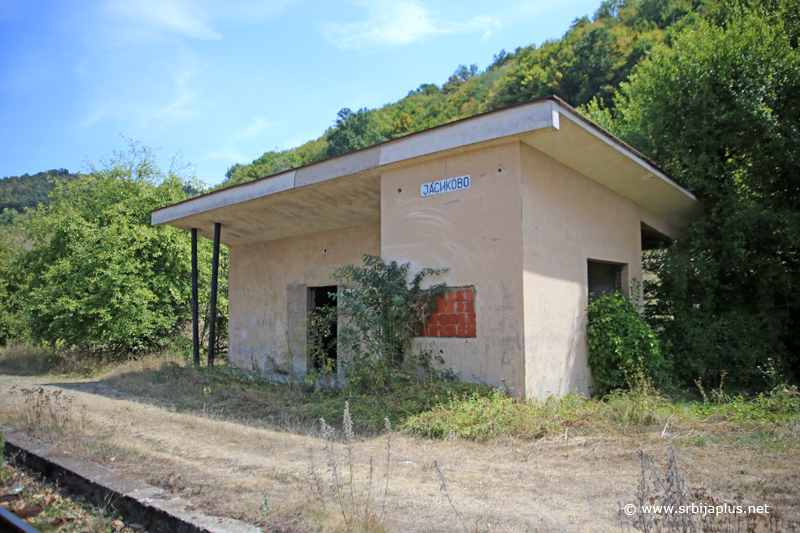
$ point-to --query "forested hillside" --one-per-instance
(589, 61)
(19, 194)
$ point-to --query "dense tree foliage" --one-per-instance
(275, 161)
(11, 326)
(99, 276)
(19, 194)
(353, 131)
(270, 163)
(720, 111)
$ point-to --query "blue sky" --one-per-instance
(223, 82)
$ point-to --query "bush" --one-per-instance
(99, 277)
(622, 347)
(379, 317)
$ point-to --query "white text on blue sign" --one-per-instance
(448, 185)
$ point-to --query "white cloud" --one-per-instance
(398, 23)
(184, 96)
(164, 17)
(129, 106)
(246, 11)
(145, 20)
(253, 129)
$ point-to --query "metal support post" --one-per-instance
(195, 313)
(212, 327)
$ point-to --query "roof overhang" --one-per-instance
(345, 191)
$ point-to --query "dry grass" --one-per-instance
(243, 457)
(44, 410)
(349, 502)
(24, 360)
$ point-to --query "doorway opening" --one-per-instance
(604, 278)
(322, 329)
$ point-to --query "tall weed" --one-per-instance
(664, 502)
(27, 360)
(42, 410)
(360, 509)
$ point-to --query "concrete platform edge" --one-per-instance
(151, 507)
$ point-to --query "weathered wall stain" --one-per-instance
(476, 233)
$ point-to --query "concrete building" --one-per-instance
(531, 207)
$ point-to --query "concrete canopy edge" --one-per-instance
(595, 153)
(482, 128)
(536, 119)
(625, 150)
(235, 195)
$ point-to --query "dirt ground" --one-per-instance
(261, 475)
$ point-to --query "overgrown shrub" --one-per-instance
(99, 278)
(622, 346)
(379, 315)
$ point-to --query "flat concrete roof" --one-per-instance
(344, 191)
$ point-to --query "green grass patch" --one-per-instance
(768, 420)
(437, 408)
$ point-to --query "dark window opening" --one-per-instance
(652, 239)
(604, 279)
(322, 329)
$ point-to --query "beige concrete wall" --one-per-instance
(521, 235)
(268, 284)
(569, 219)
(476, 233)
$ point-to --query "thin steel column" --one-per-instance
(195, 314)
(212, 327)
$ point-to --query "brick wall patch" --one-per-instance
(454, 315)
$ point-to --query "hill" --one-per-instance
(590, 61)
(20, 194)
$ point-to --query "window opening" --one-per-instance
(322, 329)
(652, 239)
(604, 279)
